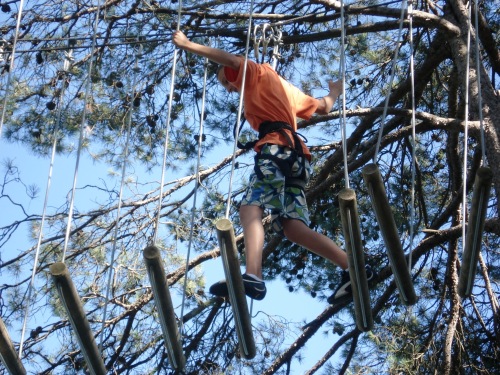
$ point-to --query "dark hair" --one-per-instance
(213, 68)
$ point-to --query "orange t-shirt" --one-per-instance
(268, 97)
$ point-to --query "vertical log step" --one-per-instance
(236, 289)
(8, 353)
(78, 319)
(475, 227)
(163, 300)
(356, 259)
(388, 229)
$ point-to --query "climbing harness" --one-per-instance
(286, 166)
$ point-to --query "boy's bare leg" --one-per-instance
(253, 232)
(299, 233)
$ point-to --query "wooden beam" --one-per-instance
(356, 259)
(8, 353)
(388, 229)
(236, 289)
(475, 227)
(163, 300)
(78, 319)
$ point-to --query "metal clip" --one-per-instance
(266, 35)
(256, 42)
(277, 34)
(266, 39)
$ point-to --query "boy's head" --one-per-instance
(221, 77)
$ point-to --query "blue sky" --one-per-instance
(297, 307)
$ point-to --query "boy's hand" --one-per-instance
(326, 103)
(214, 54)
(179, 39)
(335, 88)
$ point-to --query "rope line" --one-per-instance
(314, 15)
(197, 184)
(122, 183)
(167, 135)
(343, 126)
(82, 131)
(480, 96)
(466, 127)
(84, 46)
(237, 131)
(240, 110)
(393, 71)
(466, 114)
(11, 66)
(413, 134)
(46, 199)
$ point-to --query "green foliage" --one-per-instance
(125, 107)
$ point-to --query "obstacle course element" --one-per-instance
(8, 353)
(385, 220)
(356, 260)
(71, 302)
(168, 321)
(475, 227)
(236, 289)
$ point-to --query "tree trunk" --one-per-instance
(490, 100)
(452, 285)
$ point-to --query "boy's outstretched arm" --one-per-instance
(326, 103)
(214, 54)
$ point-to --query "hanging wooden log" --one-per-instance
(475, 227)
(385, 220)
(163, 300)
(71, 302)
(8, 353)
(236, 289)
(356, 259)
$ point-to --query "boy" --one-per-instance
(282, 168)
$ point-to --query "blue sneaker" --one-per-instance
(344, 290)
(254, 289)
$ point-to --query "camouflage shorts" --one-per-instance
(269, 191)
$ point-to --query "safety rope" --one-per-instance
(120, 194)
(82, 131)
(343, 126)
(65, 70)
(240, 110)
(197, 184)
(466, 114)
(408, 7)
(466, 127)
(410, 311)
(393, 71)
(413, 134)
(167, 135)
(480, 96)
